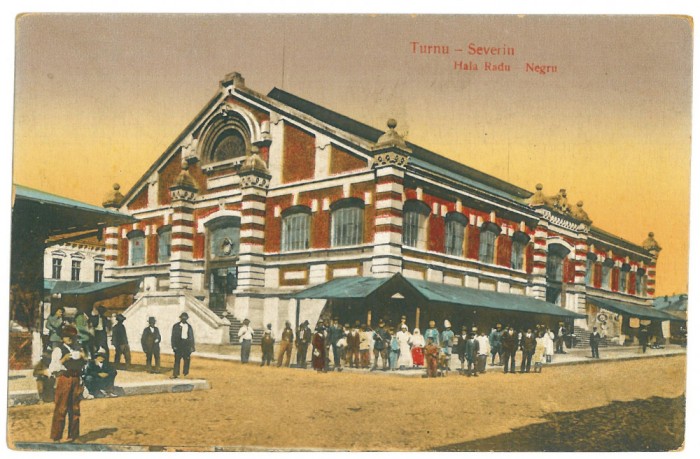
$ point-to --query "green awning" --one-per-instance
(363, 287)
(633, 310)
(343, 288)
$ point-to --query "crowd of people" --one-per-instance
(362, 346)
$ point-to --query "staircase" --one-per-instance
(236, 326)
(583, 339)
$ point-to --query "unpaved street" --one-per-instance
(250, 406)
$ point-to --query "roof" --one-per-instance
(59, 214)
(82, 288)
(633, 310)
(460, 171)
(672, 303)
(605, 236)
(364, 287)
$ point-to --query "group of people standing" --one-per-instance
(362, 346)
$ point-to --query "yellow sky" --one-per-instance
(99, 97)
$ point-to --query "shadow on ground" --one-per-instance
(96, 435)
(653, 424)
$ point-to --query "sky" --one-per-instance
(99, 97)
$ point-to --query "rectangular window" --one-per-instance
(487, 245)
(589, 271)
(346, 228)
(517, 255)
(454, 237)
(164, 238)
(623, 282)
(99, 269)
(137, 248)
(56, 268)
(605, 280)
(641, 283)
(555, 267)
(75, 270)
(411, 225)
(295, 232)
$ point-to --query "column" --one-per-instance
(539, 261)
(182, 195)
(390, 159)
(111, 234)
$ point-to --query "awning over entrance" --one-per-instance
(364, 287)
(632, 310)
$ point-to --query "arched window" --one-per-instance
(164, 242)
(591, 258)
(622, 286)
(347, 222)
(641, 282)
(415, 216)
(555, 262)
(517, 253)
(455, 225)
(487, 242)
(224, 237)
(605, 276)
(229, 145)
(295, 228)
(137, 247)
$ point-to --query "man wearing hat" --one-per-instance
(99, 376)
(182, 341)
(447, 340)
(101, 325)
(471, 350)
(121, 342)
(561, 333)
(381, 344)
(67, 362)
(352, 352)
(245, 337)
(461, 347)
(150, 343)
(303, 341)
(495, 343)
(335, 333)
(286, 344)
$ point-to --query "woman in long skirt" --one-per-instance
(548, 340)
(403, 337)
(417, 343)
(319, 350)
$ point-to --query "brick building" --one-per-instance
(262, 197)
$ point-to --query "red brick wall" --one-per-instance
(273, 225)
(597, 275)
(615, 279)
(123, 253)
(166, 178)
(259, 115)
(529, 257)
(504, 246)
(140, 201)
(632, 283)
(343, 161)
(299, 156)
(473, 233)
(569, 271)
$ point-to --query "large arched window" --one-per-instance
(137, 247)
(228, 145)
(487, 242)
(415, 217)
(556, 253)
(605, 275)
(224, 237)
(164, 242)
(295, 228)
(347, 220)
(455, 225)
(517, 253)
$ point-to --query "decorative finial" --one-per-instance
(391, 123)
(538, 198)
(391, 138)
(651, 246)
(114, 198)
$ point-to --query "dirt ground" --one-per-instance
(254, 407)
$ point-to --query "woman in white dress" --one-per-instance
(404, 338)
(548, 340)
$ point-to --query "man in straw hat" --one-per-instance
(182, 341)
(245, 337)
(150, 343)
(121, 342)
(67, 362)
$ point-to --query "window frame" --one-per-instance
(291, 217)
(454, 240)
(161, 232)
(98, 271)
(75, 267)
(347, 221)
(134, 236)
(488, 233)
(55, 265)
(221, 224)
(606, 273)
(415, 213)
(517, 257)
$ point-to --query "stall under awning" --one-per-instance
(365, 287)
(632, 310)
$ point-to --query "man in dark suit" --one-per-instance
(102, 325)
(643, 338)
(509, 344)
(595, 341)
(561, 333)
(121, 342)
(182, 341)
(150, 343)
(303, 341)
(528, 345)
